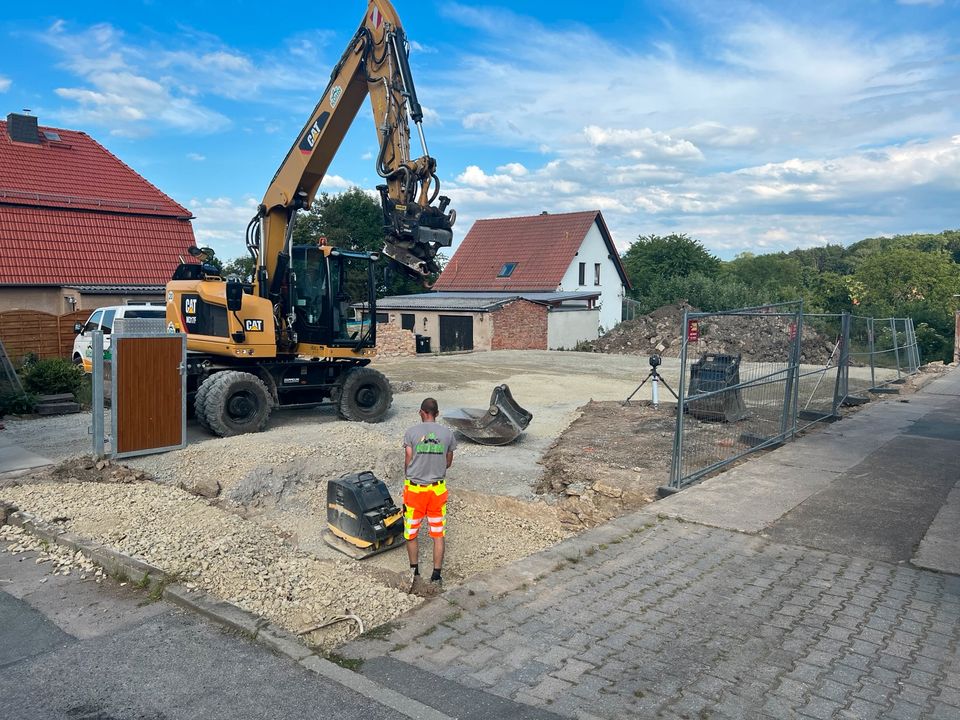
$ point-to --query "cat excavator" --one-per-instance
(286, 338)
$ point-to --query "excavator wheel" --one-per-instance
(365, 396)
(200, 402)
(236, 403)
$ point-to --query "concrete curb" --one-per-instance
(256, 628)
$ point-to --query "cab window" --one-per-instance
(94, 322)
(107, 324)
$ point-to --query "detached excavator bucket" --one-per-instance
(499, 424)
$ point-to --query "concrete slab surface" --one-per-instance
(940, 548)
(14, 457)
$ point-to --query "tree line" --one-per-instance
(914, 276)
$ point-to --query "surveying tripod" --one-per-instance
(656, 378)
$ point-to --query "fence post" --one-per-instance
(97, 390)
(788, 418)
(842, 388)
(873, 352)
(914, 346)
(675, 464)
(896, 344)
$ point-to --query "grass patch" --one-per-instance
(144, 582)
(349, 663)
(381, 632)
(452, 617)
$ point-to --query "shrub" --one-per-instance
(15, 403)
(52, 376)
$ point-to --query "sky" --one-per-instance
(751, 127)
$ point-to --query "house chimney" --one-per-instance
(23, 128)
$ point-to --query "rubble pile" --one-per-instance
(756, 338)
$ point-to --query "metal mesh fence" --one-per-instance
(780, 372)
(819, 371)
(732, 402)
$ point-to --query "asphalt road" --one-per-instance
(75, 650)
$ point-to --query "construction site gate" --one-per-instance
(144, 376)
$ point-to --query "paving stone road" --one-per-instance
(685, 621)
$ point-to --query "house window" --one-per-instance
(383, 318)
(596, 273)
(583, 274)
(507, 270)
(408, 321)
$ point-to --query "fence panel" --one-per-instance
(821, 368)
(29, 331)
(65, 325)
(739, 399)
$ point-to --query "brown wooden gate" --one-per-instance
(149, 407)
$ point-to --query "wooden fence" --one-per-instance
(43, 334)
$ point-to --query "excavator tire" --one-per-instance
(200, 402)
(236, 403)
(365, 396)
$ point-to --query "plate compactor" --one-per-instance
(362, 519)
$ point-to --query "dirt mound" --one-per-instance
(755, 337)
(609, 462)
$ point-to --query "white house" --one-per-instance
(566, 252)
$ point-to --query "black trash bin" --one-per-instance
(423, 343)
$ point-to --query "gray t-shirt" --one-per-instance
(430, 442)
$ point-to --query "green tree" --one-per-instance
(776, 274)
(654, 258)
(242, 267)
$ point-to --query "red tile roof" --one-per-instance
(72, 212)
(542, 246)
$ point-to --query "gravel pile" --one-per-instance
(757, 339)
(217, 551)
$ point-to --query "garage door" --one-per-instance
(456, 333)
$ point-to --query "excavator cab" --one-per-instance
(323, 287)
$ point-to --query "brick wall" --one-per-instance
(394, 341)
(520, 325)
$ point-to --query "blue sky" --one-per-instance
(749, 126)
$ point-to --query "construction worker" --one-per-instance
(428, 452)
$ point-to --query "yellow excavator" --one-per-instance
(286, 338)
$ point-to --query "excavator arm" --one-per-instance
(374, 65)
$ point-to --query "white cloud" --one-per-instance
(136, 88)
(221, 223)
(196, 157)
(4, 83)
(643, 144)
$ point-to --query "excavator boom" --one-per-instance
(374, 65)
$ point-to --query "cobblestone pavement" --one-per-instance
(684, 621)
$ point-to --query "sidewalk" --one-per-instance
(15, 459)
(816, 581)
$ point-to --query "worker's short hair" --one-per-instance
(430, 407)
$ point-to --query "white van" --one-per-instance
(103, 319)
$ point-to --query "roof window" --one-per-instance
(507, 269)
(51, 135)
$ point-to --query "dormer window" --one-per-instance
(507, 269)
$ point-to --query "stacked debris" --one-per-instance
(757, 339)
